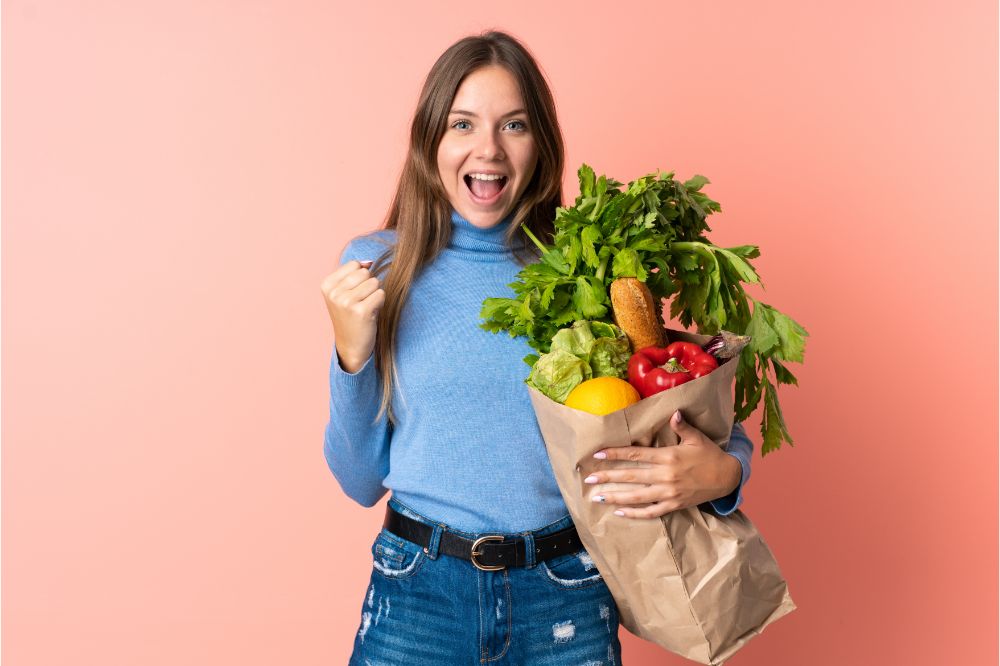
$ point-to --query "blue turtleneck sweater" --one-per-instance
(466, 449)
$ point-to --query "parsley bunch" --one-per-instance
(654, 231)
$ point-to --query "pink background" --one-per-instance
(180, 176)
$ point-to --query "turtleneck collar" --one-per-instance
(469, 238)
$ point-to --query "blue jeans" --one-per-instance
(427, 608)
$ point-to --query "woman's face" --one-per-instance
(487, 154)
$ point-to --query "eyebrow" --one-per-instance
(472, 115)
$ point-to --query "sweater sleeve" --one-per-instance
(356, 443)
(741, 448)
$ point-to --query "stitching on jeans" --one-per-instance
(568, 583)
(386, 534)
(571, 582)
(393, 556)
(400, 573)
(510, 615)
(479, 599)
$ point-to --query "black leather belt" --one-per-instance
(489, 553)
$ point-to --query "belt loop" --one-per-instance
(432, 547)
(529, 550)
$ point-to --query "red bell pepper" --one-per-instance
(655, 369)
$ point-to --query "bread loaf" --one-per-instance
(635, 313)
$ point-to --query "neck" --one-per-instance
(489, 240)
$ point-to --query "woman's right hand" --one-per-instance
(353, 298)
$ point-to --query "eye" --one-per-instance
(460, 122)
(522, 127)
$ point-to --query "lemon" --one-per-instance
(602, 395)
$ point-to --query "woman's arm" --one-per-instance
(694, 472)
(356, 443)
(741, 448)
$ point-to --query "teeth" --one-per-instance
(485, 176)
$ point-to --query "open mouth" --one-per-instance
(485, 191)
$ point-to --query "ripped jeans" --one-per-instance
(436, 610)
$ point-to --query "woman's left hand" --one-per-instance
(697, 470)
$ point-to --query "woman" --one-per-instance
(478, 560)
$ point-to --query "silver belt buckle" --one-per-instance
(475, 552)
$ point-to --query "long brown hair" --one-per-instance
(420, 212)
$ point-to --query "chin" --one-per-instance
(483, 219)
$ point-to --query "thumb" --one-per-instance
(680, 426)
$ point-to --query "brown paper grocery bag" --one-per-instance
(695, 583)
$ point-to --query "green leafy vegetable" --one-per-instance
(557, 373)
(583, 351)
(577, 340)
(653, 229)
(609, 357)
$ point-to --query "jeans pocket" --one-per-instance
(395, 557)
(572, 571)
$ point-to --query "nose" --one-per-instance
(490, 147)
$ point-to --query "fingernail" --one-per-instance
(597, 498)
(619, 513)
(366, 264)
(600, 454)
(591, 479)
(677, 416)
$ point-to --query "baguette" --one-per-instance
(634, 313)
